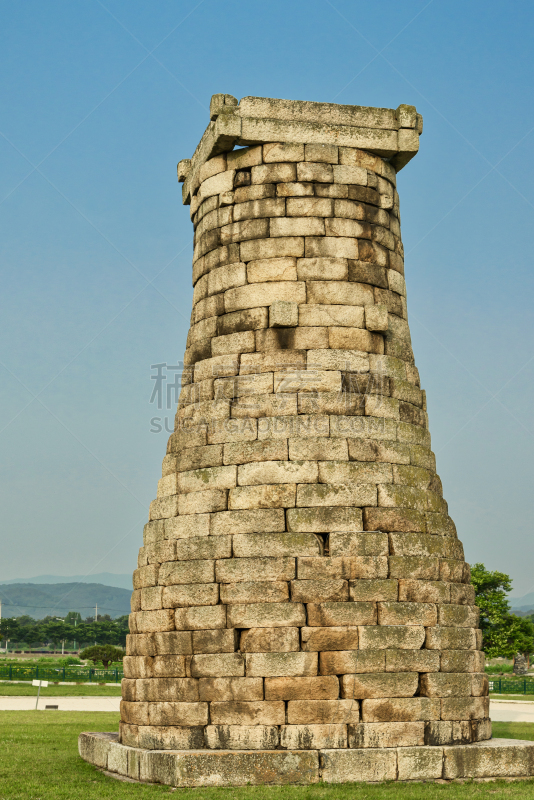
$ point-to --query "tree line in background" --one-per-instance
(504, 634)
(71, 632)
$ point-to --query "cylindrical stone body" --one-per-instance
(301, 584)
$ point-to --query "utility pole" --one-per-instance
(96, 615)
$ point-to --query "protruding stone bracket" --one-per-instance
(391, 134)
(497, 758)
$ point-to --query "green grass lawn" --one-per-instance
(497, 696)
(39, 761)
(27, 690)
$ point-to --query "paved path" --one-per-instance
(63, 703)
(512, 711)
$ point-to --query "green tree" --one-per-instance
(503, 634)
(73, 618)
(105, 653)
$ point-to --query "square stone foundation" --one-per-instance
(496, 758)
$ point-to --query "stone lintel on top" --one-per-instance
(392, 134)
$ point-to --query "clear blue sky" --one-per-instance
(99, 102)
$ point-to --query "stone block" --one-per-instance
(375, 685)
(274, 173)
(153, 621)
(277, 472)
(317, 269)
(200, 618)
(376, 318)
(365, 765)
(173, 643)
(323, 519)
(266, 615)
(329, 638)
(282, 151)
(218, 665)
(154, 737)
(462, 661)
(294, 189)
(441, 638)
(294, 688)
(386, 734)
(253, 712)
(409, 637)
(320, 712)
(249, 591)
(169, 666)
(219, 640)
(244, 194)
(331, 247)
(242, 737)
(231, 570)
(272, 269)
(351, 662)
(445, 684)
(246, 452)
(288, 664)
(312, 737)
(230, 689)
(316, 448)
(462, 594)
(324, 494)
(277, 544)
(194, 571)
(459, 616)
(420, 763)
(500, 758)
(400, 709)
(187, 714)
(270, 640)
(254, 768)
(254, 295)
(312, 172)
(365, 590)
(203, 502)
(341, 614)
(297, 226)
(383, 451)
(358, 544)
(190, 594)
(412, 661)
(319, 591)
(94, 747)
(257, 521)
(324, 568)
(424, 591)
(226, 277)
(422, 567)
(461, 708)
(391, 613)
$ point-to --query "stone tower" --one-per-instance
(301, 586)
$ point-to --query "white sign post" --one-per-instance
(44, 684)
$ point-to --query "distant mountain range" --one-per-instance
(57, 599)
(106, 578)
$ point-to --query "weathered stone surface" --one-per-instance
(391, 684)
(386, 734)
(347, 766)
(286, 664)
(329, 638)
(300, 688)
(301, 737)
(266, 615)
(400, 709)
(500, 758)
(230, 689)
(242, 737)
(270, 640)
(321, 712)
(247, 713)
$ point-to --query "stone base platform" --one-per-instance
(496, 758)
